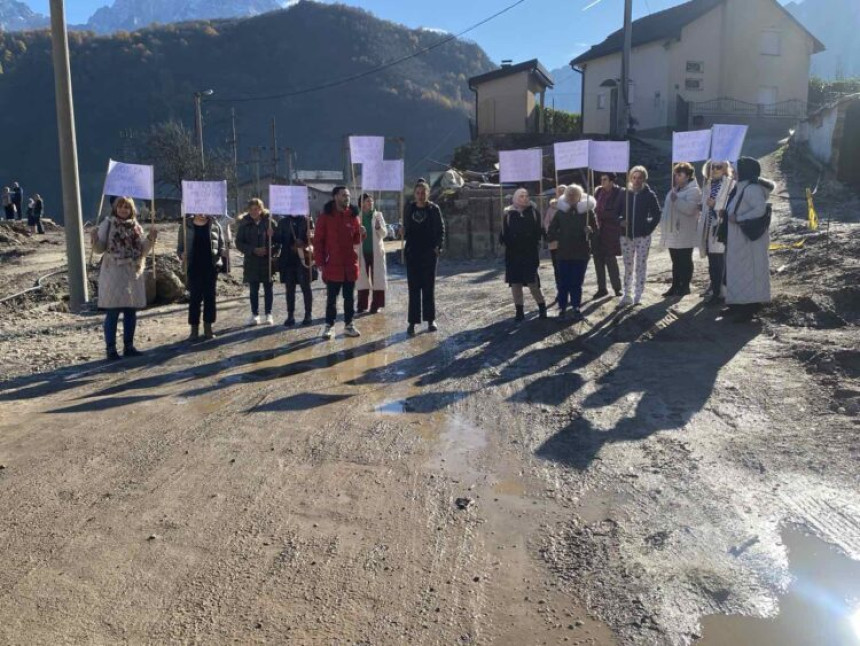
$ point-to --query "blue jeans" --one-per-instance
(129, 323)
(571, 275)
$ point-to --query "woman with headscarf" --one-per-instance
(719, 181)
(572, 227)
(521, 236)
(678, 230)
(748, 241)
(423, 238)
(121, 284)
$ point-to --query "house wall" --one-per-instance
(503, 104)
(597, 120)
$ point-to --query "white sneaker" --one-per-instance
(625, 301)
(269, 320)
(637, 300)
(254, 319)
(351, 330)
(327, 332)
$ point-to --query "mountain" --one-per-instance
(129, 15)
(17, 16)
(567, 93)
(127, 82)
(835, 23)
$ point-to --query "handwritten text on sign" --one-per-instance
(609, 156)
(129, 180)
(382, 175)
(571, 154)
(205, 198)
(727, 142)
(520, 165)
(691, 146)
(289, 200)
(363, 150)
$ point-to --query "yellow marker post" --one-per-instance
(813, 216)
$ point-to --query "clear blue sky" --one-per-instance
(555, 31)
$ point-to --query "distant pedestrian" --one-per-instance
(547, 219)
(254, 240)
(295, 263)
(8, 203)
(573, 227)
(204, 258)
(678, 231)
(121, 284)
(371, 261)
(719, 181)
(18, 199)
(337, 235)
(642, 217)
(35, 209)
(606, 245)
(423, 237)
(521, 236)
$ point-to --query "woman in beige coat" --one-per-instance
(372, 274)
(678, 226)
(121, 285)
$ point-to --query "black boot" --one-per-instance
(131, 351)
(542, 310)
(207, 331)
(291, 320)
(111, 353)
(195, 333)
(308, 318)
(521, 313)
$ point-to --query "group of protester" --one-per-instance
(13, 206)
(726, 220)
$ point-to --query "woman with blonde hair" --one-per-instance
(254, 241)
(641, 217)
(718, 177)
(572, 228)
(122, 289)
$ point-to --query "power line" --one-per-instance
(366, 73)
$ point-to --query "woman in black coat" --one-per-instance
(295, 264)
(521, 235)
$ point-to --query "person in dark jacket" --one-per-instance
(254, 241)
(521, 236)
(338, 232)
(295, 264)
(8, 203)
(424, 235)
(18, 200)
(205, 248)
(607, 244)
(572, 227)
(641, 216)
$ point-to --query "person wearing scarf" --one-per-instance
(719, 181)
(205, 256)
(371, 259)
(521, 235)
(121, 286)
(547, 220)
(747, 259)
(678, 226)
(572, 228)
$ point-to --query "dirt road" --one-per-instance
(608, 482)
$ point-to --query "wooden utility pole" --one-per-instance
(274, 149)
(72, 218)
(235, 143)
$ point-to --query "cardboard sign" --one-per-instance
(609, 156)
(129, 180)
(691, 146)
(520, 165)
(289, 200)
(571, 154)
(366, 149)
(382, 175)
(727, 142)
(205, 198)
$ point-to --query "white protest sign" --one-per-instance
(609, 156)
(289, 200)
(366, 149)
(205, 198)
(521, 165)
(382, 175)
(691, 146)
(727, 142)
(129, 180)
(571, 154)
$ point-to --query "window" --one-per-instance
(695, 85)
(601, 101)
(769, 43)
(695, 67)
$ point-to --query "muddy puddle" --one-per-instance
(820, 608)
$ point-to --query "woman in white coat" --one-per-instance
(680, 215)
(747, 241)
(371, 258)
(719, 181)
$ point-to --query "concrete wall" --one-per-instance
(597, 120)
(503, 104)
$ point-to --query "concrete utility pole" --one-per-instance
(624, 90)
(235, 143)
(72, 220)
(198, 122)
(274, 149)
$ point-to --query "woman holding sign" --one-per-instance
(295, 263)
(606, 245)
(678, 232)
(719, 181)
(254, 241)
(121, 285)
(371, 258)
(572, 228)
(641, 217)
(521, 235)
(205, 250)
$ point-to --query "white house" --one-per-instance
(701, 62)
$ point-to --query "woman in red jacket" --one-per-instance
(338, 231)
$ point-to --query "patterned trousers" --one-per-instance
(635, 254)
